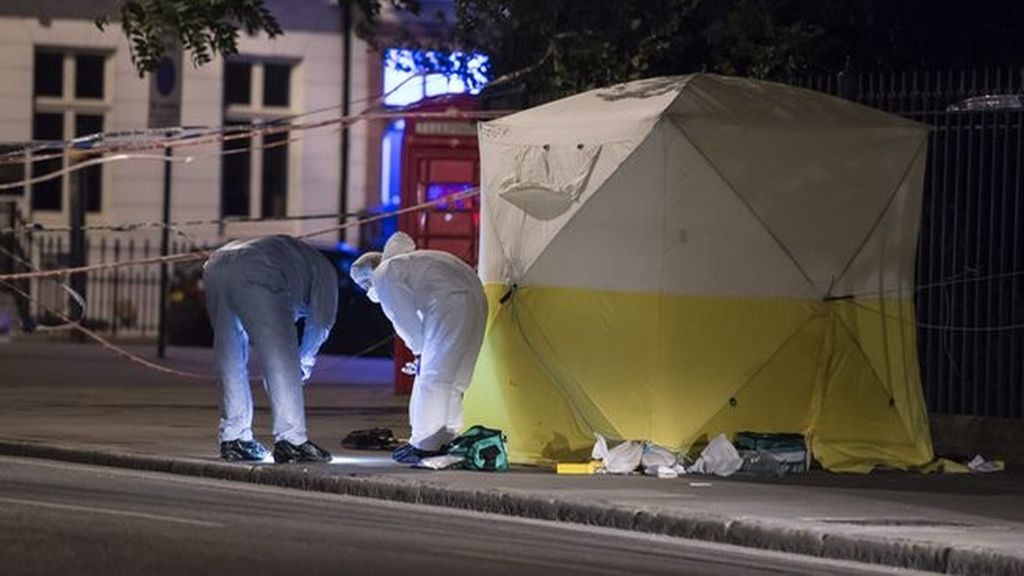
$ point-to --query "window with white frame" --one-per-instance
(254, 174)
(71, 97)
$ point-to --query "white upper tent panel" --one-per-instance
(818, 172)
(623, 111)
(810, 177)
(746, 102)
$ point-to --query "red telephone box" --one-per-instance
(440, 157)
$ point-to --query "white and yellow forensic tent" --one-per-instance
(674, 258)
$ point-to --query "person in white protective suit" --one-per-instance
(256, 290)
(437, 305)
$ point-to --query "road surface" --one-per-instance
(59, 518)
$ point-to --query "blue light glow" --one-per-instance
(439, 191)
(364, 460)
(391, 164)
(403, 85)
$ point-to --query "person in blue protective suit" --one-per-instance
(437, 305)
(256, 290)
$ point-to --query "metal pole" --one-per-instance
(346, 96)
(161, 328)
(115, 273)
(76, 243)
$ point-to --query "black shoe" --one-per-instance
(286, 452)
(409, 454)
(243, 451)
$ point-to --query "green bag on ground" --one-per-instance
(789, 449)
(482, 449)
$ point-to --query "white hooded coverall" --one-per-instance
(437, 305)
(256, 290)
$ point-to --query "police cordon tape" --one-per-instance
(201, 254)
(190, 135)
(120, 157)
(195, 256)
(34, 227)
(148, 135)
(69, 323)
(90, 163)
(71, 292)
(77, 325)
(6, 279)
(214, 136)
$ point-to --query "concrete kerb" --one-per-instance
(753, 533)
(982, 562)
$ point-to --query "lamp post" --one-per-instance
(165, 112)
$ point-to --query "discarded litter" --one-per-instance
(622, 459)
(772, 453)
(577, 467)
(665, 471)
(657, 456)
(719, 457)
(439, 462)
(762, 462)
(980, 465)
(632, 455)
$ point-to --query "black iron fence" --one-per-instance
(125, 301)
(970, 264)
(12, 300)
(118, 301)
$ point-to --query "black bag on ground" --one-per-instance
(372, 439)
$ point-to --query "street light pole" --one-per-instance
(161, 337)
(346, 97)
(78, 257)
(165, 112)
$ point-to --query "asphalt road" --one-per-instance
(58, 518)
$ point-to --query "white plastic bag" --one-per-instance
(622, 459)
(440, 462)
(719, 457)
(664, 471)
(981, 465)
(655, 455)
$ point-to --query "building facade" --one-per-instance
(64, 79)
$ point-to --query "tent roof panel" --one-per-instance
(820, 195)
(620, 104)
(743, 101)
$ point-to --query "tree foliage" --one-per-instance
(545, 48)
(204, 28)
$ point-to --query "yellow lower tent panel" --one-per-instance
(872, 369)
(560, 364)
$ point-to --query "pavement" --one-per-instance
(81, 403)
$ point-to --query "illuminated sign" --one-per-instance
(405, 81)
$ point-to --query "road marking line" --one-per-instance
(141, 515)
